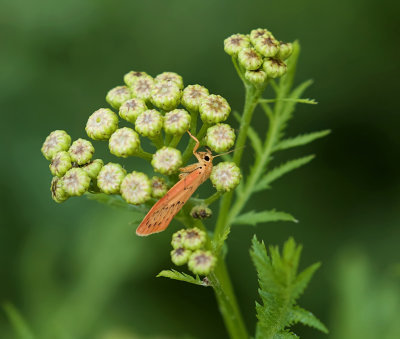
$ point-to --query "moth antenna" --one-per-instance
(232, 150)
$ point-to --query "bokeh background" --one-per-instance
(77, 270)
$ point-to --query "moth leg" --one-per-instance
(189, 168)
(197, 143)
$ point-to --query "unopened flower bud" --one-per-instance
(177, 122)
(131, 109)
(193, 95)
(60, 163)
(225, 176)
(202, 262)
(81, 151)
(158, 187)
(177, 238)
(170, 77)
(180, 256)
(167, 160)
(214, 109)
(57, 190)
(149, 123)
(249, 58)
(274, 68)
(201, 212)
(165, 95)
(259, 33)
(136, 188)
(56, 142)
(101, 124)
(110, 178)
(142, 87)
(220, 137)
(256, 77)
(131, 77)
(235, 43)
(93, 168)
(268, 46)
(124, 142)
(194, 239)
(118, 95)
(76, 182)
(285, 50)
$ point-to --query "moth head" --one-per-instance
(206, 156)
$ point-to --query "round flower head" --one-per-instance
(158, 187)
(256, 77)
(56, 142)
(81, 151)
(235, 43)
(268, 46)
(110, 178)
(60, 163)
(167, 160)
(170, 77)
(76, 182)
(131, 77)
(101, 124)
(124, 142)
(118, 95)
(225, 176)
(220, 137)
(176, 121)
(149, 123)
(250, 59)
(274, 68)
(194, 239)
(193, 95)
(165, 95)
(214, 109)
(177, 238)
(131, 109)
(141, 88)
(57, 190)
(136, 188)
(259, 33)
(93, 168)
(180, 256)
(201, 212)
(202, 262)
(285, 50)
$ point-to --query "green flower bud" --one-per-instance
(235, 43)
(177, 121)
(131, 77)
(76, 182)
(274, 68)
(170, 77)
(136, 188)
(285, 50)
(225, 176)
(118, 95)
(201, 212)
(110, 178)
(101, 124)
(167, 160)
(124, 142)
(93, 168)
(194, 239)
(177, 238)
(165, 95)
(142, 87)
(268, 46)
(202, 262)
(250, 59)
(60, 163)
(259, 33)
(193, 95)
(180, 256)
(158, 187)
(56, 142)
(214, 109)
(81, 151)
(220, 137)
(57, 190)
(149, 123)
(256, 77)
(131, 109)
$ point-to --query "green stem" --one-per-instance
(143, 154)
(157, 141)
(175, 140)
(212, 198)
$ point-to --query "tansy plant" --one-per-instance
(162, 109)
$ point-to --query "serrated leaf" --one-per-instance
(300, 140)
(300, 315)
(285, 335)
(173, 274)
(253, 218)
(303, 279)
(19, 324)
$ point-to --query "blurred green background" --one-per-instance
(77, 270)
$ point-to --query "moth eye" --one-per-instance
(206, 158)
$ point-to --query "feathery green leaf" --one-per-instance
(300, 315)
(173, 274)
(253, 218)
(300, 140)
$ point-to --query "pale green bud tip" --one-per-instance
(60, 163)
(225, 176)
(201, 212)
(110, 178)
(214, 109)
(235, 43)
(193, 95)
(56, 142)
(118, 95)
(202, 262)
(124, 142)
(166, 95)
(149, 123)
(76, 182)
(131, 109)
(259, 33)
(220, 138)
(180, 256)
(170, 77)
(81, 151)
(256, 77)
(250, 59)
(177, 121)
(167, 160)
(177, 238)
(101, 124)
(136, 188)
(142, 87)
(158, 187)
(268, 46)
(93, 168)
(57, 190)
(194, 239)
(285, 50)
(131, 77)
(274, 68)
